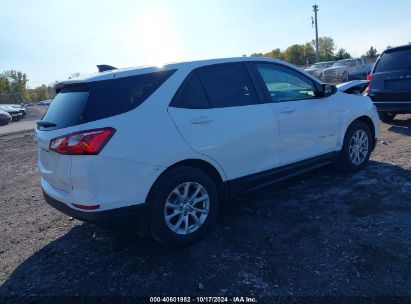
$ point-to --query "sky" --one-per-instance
(50, 40)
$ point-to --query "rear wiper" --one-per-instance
(45, 124)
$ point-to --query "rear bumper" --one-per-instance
(133, 218)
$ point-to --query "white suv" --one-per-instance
(159, 150)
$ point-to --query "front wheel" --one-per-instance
(356, 149)
(387, 116)
(183, 206)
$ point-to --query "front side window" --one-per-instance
(228, 85)
(359, 61)
(284, 84)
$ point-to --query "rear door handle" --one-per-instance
(287, 110)
(201, 120)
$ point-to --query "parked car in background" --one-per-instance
(317, 69)
(15, 113)
(353, 87)
(5, 118)
(159, 150)
(20, 108)
(347, 69)
(44, 103)
(390, 82)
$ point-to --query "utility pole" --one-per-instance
(317, 47)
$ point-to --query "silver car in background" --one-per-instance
(317, 69)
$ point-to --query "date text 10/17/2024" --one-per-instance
(239, 299)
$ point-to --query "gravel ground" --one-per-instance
(33, 113)
(319, 234)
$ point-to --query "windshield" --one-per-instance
(340, 63)
(395, 60)
(317, 65)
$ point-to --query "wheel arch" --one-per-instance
(368, 121)
(202, 165)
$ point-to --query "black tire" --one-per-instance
(387, 116)
(344, 162)
(159, 195)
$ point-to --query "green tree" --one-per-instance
(342, 54)
(257, 55)
(276, 53)
(371, 53)
(327, 47)
(40, 93)
(309, 53)
(17, 84)
(295, 54)
(4, 84)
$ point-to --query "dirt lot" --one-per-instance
(33, 113)
(320, 234)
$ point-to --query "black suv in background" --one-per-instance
(390, 82)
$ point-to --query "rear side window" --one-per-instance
(228, 85)
(191, 95)
(395, 60)
(91, 101)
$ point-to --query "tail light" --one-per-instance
(84, 207)
(368, 88)
(88, 142)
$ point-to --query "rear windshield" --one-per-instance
(395, 60)
(77, 104)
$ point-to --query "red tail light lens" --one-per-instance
(88, 142)
(368, 88)
(84, 207)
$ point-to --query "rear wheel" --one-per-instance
(356, 149)
(387, 116)
(183, 206)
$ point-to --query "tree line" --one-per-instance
(13, 84)
(13, 89)
(304, 54)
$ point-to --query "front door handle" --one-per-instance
(287, 110)
(201, 120)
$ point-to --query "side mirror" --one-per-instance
(327, 90)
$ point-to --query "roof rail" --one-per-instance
(105, 67)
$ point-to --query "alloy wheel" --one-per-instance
(359, 145)
(186, 208)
